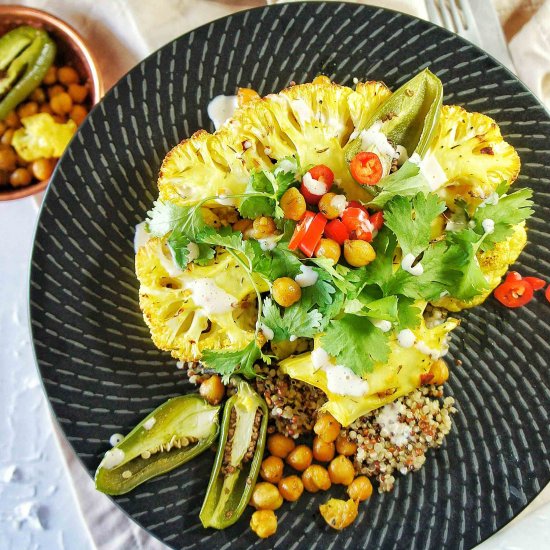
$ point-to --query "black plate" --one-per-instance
(102, 373)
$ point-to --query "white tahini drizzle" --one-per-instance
(315, 187)
(141, 236)
(382, 324)
(208, 295)
(221, 108)
(406, 264)
(406, 338)
(390, 425)
(269, 243)
(268, 333)
(488, 225)
(306, 277)
(340, 379)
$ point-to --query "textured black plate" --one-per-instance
(101, 371)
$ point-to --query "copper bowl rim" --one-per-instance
(76, 42)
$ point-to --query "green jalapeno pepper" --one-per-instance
(171, 435)
(238, 460)
(26, 54)
(409, 116)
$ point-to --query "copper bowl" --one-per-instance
(71, 49)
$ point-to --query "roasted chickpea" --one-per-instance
(280, 445)
(272, 469)
(332, 205)
(360, 489)
(266, 496)
(55, 90)
(316, 478)
(263, 523)
(300, 458)
(293, 204)
(67, 75)
(51, 76)
(291, 488)
(440, 372)
(43, 168)
(46, 109)
(286, 291)
(7, 136)
(344, 446)
(323, 451)
(212, 390)
(27, 109)
(339, 513)
(61, 104)
(78, 114)
(327, 427)
(4, 177)
(8, 158)
(12, 120)
(77, 92)
(38, 95)
(341, 470)
(242, 225)
(263, 227)
(327, 248)
(358, 253)
(3, 128)
(20, 177)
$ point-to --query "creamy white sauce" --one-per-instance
(488, 225)
(406, 338)
(141, 236)
(192, 252)
(208, 295)
(112, 459)
(221, 109)
(268, 333)
(422, 347)
(382, 324)
(340, 379)
(492, 199)
(406, 264)
(306, 277)
(115, 439)
(147, 425)
(431, 170)
(339, 202)
(293, 338)
(286, 165)
(315, 187)
(355, 80)
(269, 243)
(390, 425)
(374, 141)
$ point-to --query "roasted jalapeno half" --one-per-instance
(238, 460)
(171, 435)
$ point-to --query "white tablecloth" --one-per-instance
(38, 508)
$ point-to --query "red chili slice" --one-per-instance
(300, 230)
(355, 218)
(337, 231)
(514, 293)
(313, 235)
(535, 282)
(513, 276)
(322, 174)
(366, 168)
(547, 293)
(377, 220)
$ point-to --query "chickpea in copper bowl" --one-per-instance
(48, 84)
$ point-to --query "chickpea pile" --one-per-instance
(64, 95)
(329, 446)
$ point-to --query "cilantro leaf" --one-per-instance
(507, 212)
(265, 189)
(272, 264)
(356, 343)
(407, 181)
(294, 321)
(408, 315)
(164, 216)
(228, 363)
(411, 220)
